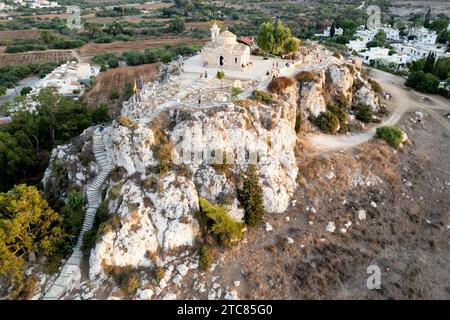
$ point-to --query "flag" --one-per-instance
(135, 88)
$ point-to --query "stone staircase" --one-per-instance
(70, 272)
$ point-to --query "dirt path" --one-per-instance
(401, 101)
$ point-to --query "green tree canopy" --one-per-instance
(27, 224)
(252, 197)
(265, 39)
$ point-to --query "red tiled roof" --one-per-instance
(246, 40)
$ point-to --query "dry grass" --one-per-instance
(305, 76)
(280, 84)
(114, 80)
(37, 57)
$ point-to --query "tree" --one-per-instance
(177, 25)
(429, 63)
(442, 68)
(380, 36)
(265, 39)
(27, 224)
(426, 22)
(25, 91)
(291, 45)
(332, 30)
(93, 28)
(227, 230)
(2, 91)
(48, 37)
(417, 65)
(17, 158)
(423, 82)
(281, 34)
(252, 197)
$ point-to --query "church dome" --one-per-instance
(227, 38)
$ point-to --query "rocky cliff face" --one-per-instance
(154, 211)
(340, 82)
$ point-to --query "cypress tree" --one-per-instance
(426, 22)
(429, 63)
(332, 30)
(252, 197)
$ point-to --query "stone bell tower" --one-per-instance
(215, 30)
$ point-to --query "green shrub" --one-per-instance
(76, 200)
(114, 95)
(252, 197)
(26, 289)
(223, 227)
(423, 82)
(163, 154)
(131, 284)
(235, 91)
(340, 113)
(327, 122)
(206, 257)
(262, 96)
(391, 134)
(220, 75)
(158, 274)
(127, 278)
(279, 85)
(25, 90)
(363, 113)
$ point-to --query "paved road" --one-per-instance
(402, 100)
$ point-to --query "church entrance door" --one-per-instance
(221, 61)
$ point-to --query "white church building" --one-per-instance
(223, 51)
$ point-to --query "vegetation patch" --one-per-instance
(216, 220)
(206, 254)
(262, 96)
(363, 113)
(305, 76)
(327, 122)
(341, 114)
(279, 85)
(252, 197)
(162, 152)
(126, 278)
(391, 134)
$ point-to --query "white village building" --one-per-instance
(421, 44)
(327, 32)
(41, 4)
(224, 51)
(69, 79)
(423, 36)
(376, 54)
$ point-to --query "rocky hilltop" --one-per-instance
(167, 151)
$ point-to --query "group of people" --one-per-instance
(275, 71)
